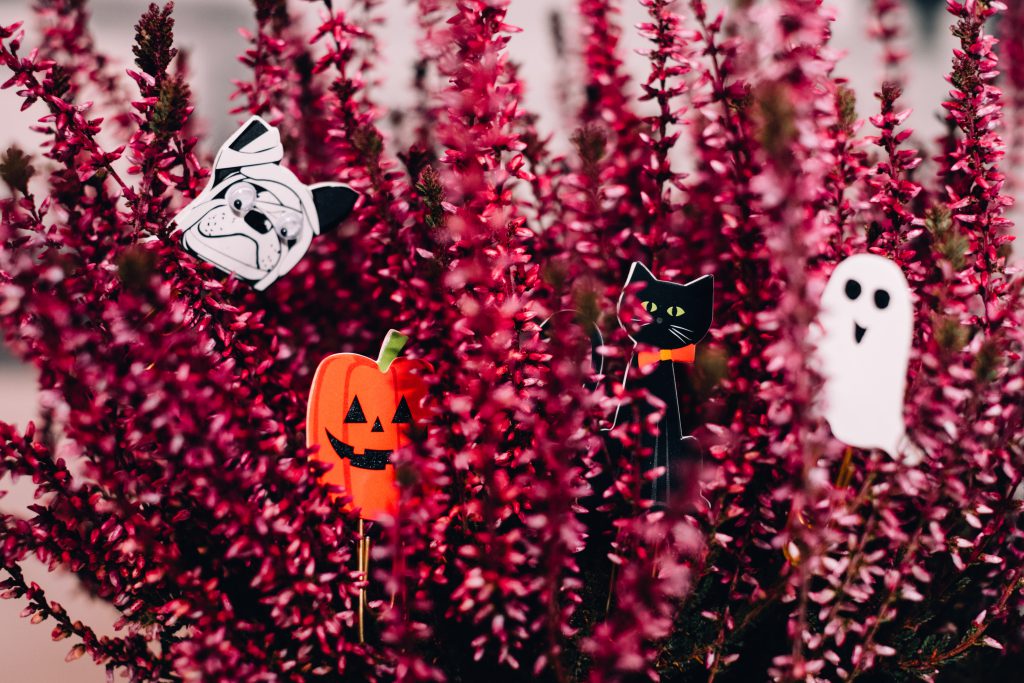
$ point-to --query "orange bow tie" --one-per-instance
(685, 354)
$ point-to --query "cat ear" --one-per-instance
(334, 203)
(705, 283)
(704, 287)
(638, 272)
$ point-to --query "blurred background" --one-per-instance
(209, 31)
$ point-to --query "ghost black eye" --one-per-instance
(852, 289)
(881, 298)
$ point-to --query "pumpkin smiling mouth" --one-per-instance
(368, 460)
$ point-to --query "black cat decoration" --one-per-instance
(665, 320)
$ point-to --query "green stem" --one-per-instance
(393, 344)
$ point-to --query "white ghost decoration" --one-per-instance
(255, 218)
(867, 326)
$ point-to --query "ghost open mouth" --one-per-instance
(858, 332)
(368, 460)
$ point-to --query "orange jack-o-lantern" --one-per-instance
(360, 412)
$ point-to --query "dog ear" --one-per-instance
(250, 131)
(333, 203)
(221, 173)
(255, 142)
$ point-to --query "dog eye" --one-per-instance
(289, 226)
(241, 197)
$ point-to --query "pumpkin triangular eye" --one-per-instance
(355, 412)
(402, 413)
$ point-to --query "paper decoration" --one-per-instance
(666, 322)
(255, 218)
(360, 412)
(867, 325)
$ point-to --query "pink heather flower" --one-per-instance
(169, 461)
(888, 17)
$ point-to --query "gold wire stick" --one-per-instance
(614, 575)
(845, 476)
(654, 560)
(362, 561)
(366, 569)
(611, 590)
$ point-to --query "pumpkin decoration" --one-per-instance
(360, 412)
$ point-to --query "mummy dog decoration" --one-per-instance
(255, 219)
(867, 326)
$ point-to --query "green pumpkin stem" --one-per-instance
(393, 344)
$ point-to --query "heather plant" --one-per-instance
(169, 461)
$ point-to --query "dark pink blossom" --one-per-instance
(169, 463)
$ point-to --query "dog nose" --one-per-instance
(258, 222)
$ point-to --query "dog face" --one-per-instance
(255, 218)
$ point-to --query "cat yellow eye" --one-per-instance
(649, 306)
(675, 311)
